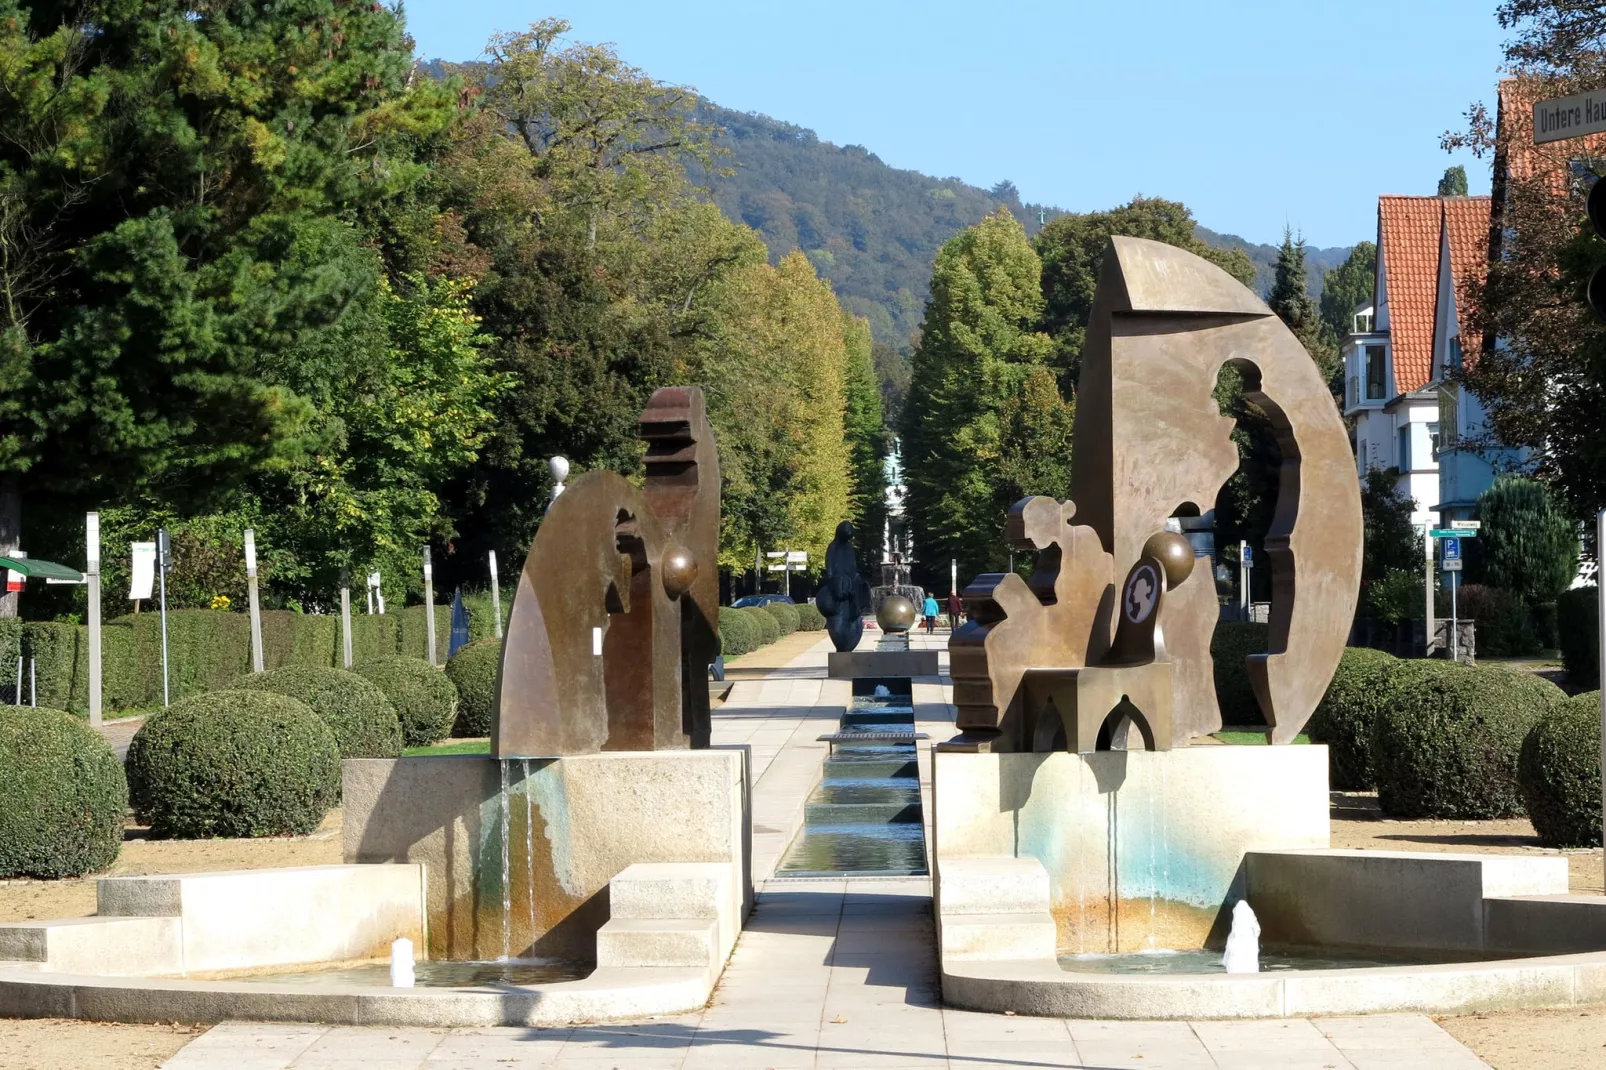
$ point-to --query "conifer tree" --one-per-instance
(1454, 182)
(1290, 299)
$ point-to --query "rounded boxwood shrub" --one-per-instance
(1232, 642)
(737, 634)
(363, 720)
(785, 614)
(233, 763)
(769, 629)
(1344, 718)
(424, 697)
(62, 795)
(809, 618)
(472, 671)
(1446, 744)
(1558, 773)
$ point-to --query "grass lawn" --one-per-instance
(450, 746)
(1250, 737)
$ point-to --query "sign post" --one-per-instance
(1600, 602)
(429, 607)
(496, 598)
(1427, 592)
(256, 606)
(1450, 547)
(92, 575)
(164, 561)
(1246, 562)
(791, 561)
(345, 616)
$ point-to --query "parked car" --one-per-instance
(752, 600)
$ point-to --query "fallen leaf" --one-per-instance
(838, 1020)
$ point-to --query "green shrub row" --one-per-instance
(233, 763)
(1344, 719)
(1230, 645)
(786, 616)
(1578, 635)
(424, 696)
(809, 618)
(62, 796)
(362, 718)
(473, 671)
(1558, 773)
(209, 650)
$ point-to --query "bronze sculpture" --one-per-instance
(614, 623)
(1151, 444)
(843, 595)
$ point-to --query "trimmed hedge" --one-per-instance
(1343, 720)
(1447, 744)
(1558, 772)
(809, 618)
(472, 671)
(425, 699)
(1232, 642)
(1578, 635)
(233, 763)
(363, 720)
(769, 629)
(737, 634)
(62, 796)
(785, 614)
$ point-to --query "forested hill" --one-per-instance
(873, 230)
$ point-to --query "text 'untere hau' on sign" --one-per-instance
(1566, 117)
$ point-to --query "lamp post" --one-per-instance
(256, 606)
(92, 574)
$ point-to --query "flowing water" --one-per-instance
(433, 974)
(865, 816)
(507, 866)
(1198, 961)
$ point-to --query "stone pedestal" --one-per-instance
(848, 664)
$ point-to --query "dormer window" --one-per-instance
(1376, 373)
(1454, 359)
(1363, 323)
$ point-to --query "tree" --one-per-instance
(1072, 251)
(1392, 542)
(1454, 182)
(869, 441)
(1346, 288)
(178, 188)
(983, 424)
(1544, 385)
(1290, 299)
(1527, 545)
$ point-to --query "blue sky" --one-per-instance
(1254, 113)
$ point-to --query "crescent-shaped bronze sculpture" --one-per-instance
(1150, 443)
(615, 620)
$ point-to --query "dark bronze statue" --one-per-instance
(843, 596)
(1150, 443)
(614, 623)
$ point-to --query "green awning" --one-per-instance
(49, 570)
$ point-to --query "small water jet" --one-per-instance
(1243, 943)
(401, 963)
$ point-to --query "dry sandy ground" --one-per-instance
(51, 1044)
(1573, 1038)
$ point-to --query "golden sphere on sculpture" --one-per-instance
(679, 570)
(897, 614)
(1175, 555)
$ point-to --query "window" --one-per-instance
(1455, 354)
(1364, 464)
(1404, 457)
(1433, 440)
(1449, 405)
(1375, 373)
(1363, 323)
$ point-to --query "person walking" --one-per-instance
(930, 610)
(956, 611)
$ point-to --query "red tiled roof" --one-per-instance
(1408, 231)
(1466, 228)
(1520, 156)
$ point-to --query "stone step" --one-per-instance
(895, 720)
(96, 945)
(901, 790)
(846, 767)
(672, 890)
(998, 936)
(994, 884)
(632, 942)
(866, 813)
(886, 850)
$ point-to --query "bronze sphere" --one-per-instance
(1175, 555)
(679, 571)
(897, 614)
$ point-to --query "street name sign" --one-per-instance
(1576, 116)
(1454, 533)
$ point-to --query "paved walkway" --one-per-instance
(833, 974)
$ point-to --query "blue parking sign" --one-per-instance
(1452, 549)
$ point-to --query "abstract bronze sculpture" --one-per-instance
(843, 596)
(1150, 444)
(616, 617)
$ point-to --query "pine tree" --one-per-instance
(1290, 300)
(984, 423)
(1454, 182)
(1346, 287)
(1527, 545)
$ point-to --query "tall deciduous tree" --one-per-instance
(984, 423)
(1072, 251)
(868, 442)
(1347, 287)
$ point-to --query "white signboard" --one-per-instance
(16, 582)
(1576, 116)
(143, 576)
